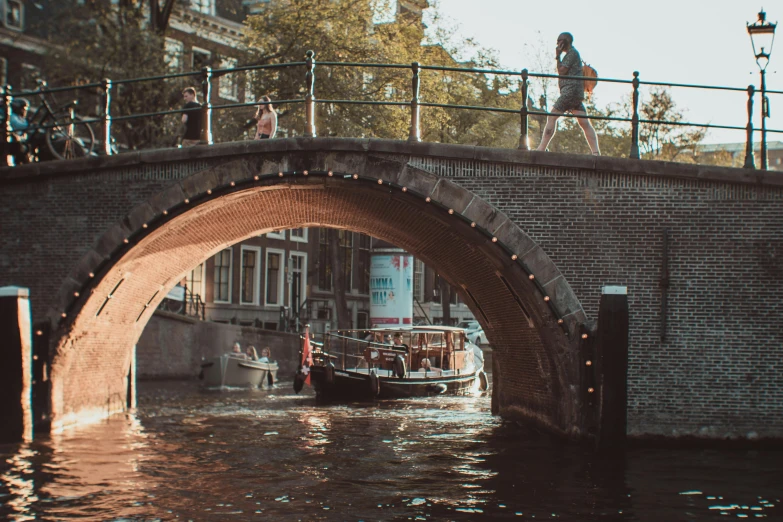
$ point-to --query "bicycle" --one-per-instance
(55, 132)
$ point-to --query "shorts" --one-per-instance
(568, 103)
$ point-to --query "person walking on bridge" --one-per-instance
(191, 118)
(572, 94)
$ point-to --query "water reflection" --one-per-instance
(274, 455)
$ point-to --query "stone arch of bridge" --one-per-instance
(531, 315)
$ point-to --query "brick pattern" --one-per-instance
(713, 376)
(716, 373)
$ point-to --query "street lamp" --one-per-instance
(762, 36)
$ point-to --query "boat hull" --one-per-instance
(353, 385)
(235, 372)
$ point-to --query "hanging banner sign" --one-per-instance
(391, 289)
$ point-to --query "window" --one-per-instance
(206, 7)
(14, 15)
(362, 320)
(299, 235)
(30, 75)
(297, 281)
(280, 234)
(363, 264)
(251, 271)
(324, 261)
(223, 276)
(274, 277)
(418, 280)
(195, 281)
(174, 52)
(346, 256)
(228, 87)
(200, 58)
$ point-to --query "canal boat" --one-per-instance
(236, 370)
(401, 362)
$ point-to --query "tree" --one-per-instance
(344, 321)
(159, 16)
(445, 299)
(666, 141)
(116, 41)
(345, 30)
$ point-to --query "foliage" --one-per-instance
(665, 141)
(344, 30)
(115, 41)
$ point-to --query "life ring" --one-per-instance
(399, 367)
(437, 388)
(329, 373)
(270, 379)
(375, 383)
(483, 381)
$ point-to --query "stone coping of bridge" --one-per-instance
(666, 169)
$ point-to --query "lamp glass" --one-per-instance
(762, 37)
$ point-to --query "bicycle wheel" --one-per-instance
(70, 138)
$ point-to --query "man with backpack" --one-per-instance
(572, 95)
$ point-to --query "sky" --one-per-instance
(679, 41)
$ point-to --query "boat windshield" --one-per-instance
(379, 347)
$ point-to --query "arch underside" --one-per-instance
(536, 371)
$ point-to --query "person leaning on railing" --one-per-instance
(572, 95)
(267, 120)
(20, 126)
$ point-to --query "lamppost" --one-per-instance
(762, 36)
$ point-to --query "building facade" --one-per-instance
(285, 279)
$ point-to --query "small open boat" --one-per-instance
(426, 360)
(232, 370)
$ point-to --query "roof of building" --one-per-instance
(737, 147)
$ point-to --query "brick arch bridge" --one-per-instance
(100, 241)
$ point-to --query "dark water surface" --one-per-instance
(271, 455)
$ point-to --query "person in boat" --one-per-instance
(266, 353)
(251, 354)
(426, 367)
(397, 344)
(237, 350)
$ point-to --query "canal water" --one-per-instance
(189, 454)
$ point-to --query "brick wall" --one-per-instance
(576, 223)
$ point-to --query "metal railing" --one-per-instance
(207, 75)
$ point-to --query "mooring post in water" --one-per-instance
(612, 345)
(16, 371)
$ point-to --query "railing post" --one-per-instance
(107, 86)
(206, 105)
(749, 162)
(415, 134)
(310, 95)
(764, 115)
(5, 124)
(635, 118)
(524, 139)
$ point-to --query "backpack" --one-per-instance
(589, 72)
